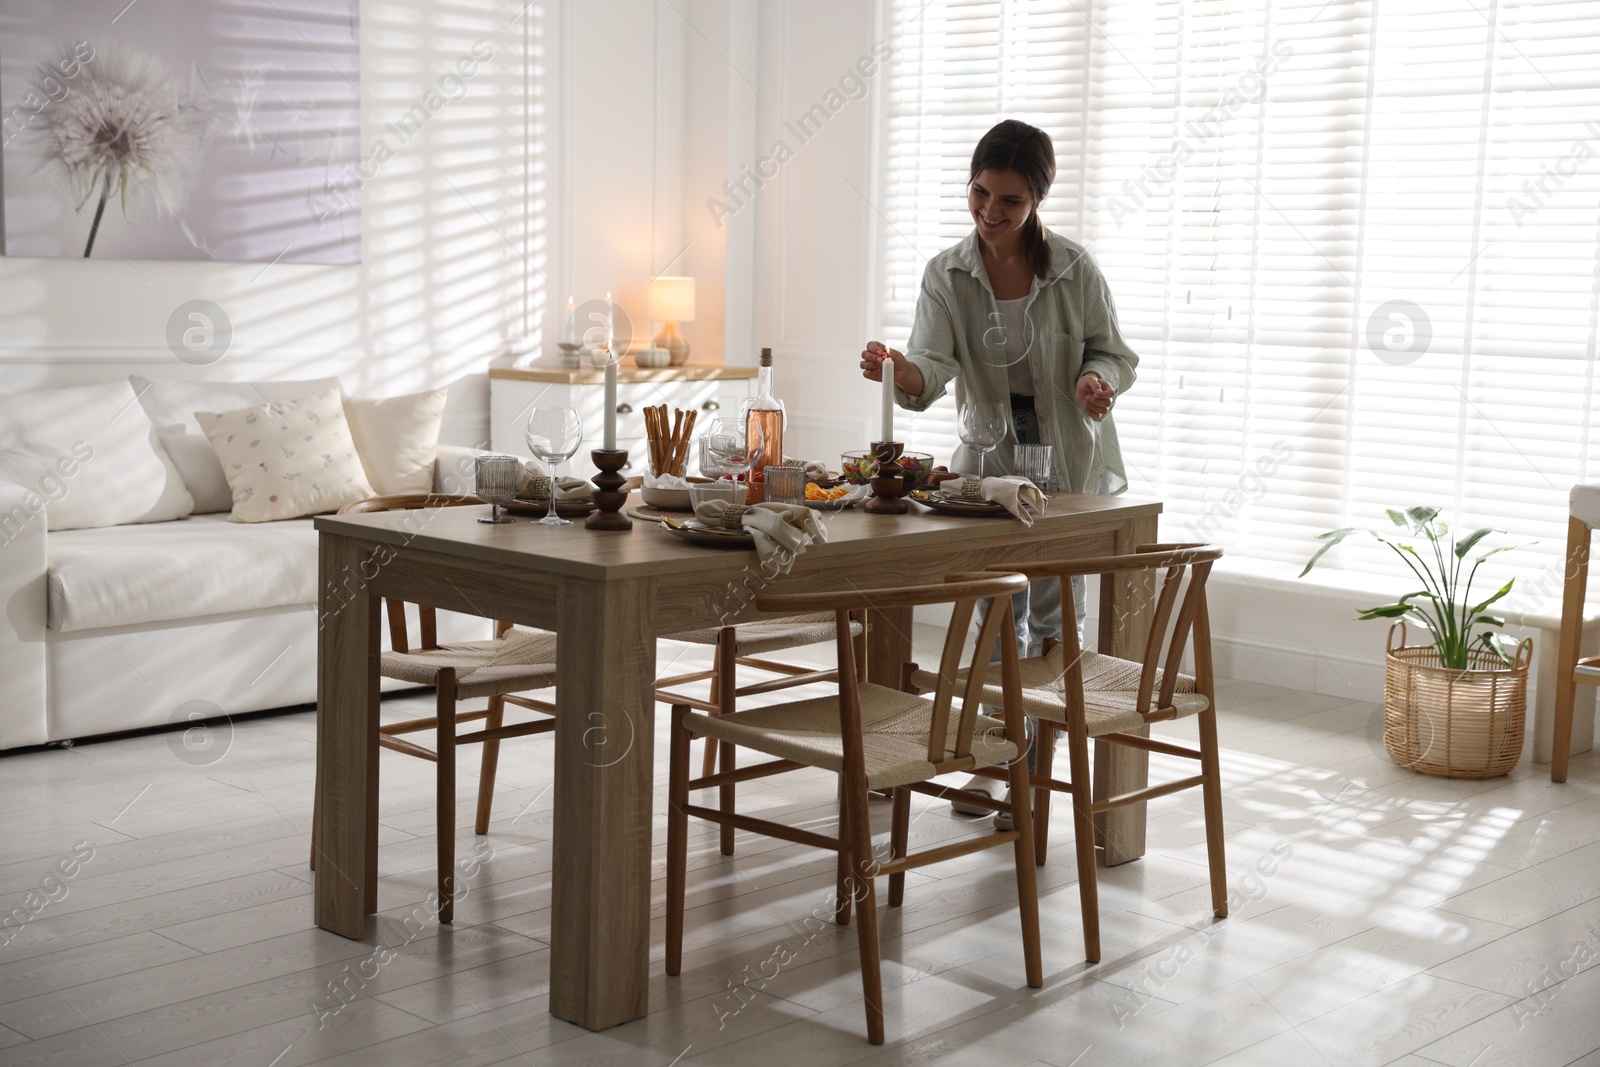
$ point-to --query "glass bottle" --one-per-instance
(768, 410)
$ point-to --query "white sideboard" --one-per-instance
(513, 394)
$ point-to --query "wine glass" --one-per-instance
(983, 426)
(731, 446)
(554, 434)
(496, 483)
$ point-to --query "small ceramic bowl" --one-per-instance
(669, 499)
(652, 357)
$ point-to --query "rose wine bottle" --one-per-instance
(767, 411)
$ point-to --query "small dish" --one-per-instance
(951, 506)
(537, 507)
(696, 532)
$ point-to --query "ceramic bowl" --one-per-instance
(670, 499)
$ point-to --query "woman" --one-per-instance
(1017, 313)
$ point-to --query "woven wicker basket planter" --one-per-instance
(1454, 723)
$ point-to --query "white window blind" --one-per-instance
(1357, 247)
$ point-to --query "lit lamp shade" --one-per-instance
(672, 302)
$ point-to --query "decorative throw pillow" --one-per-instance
(397, 439)
(172, 404)
(90, 457)
(286, 460)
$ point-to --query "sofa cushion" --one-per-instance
(202, 565)
(89, 456)
(397, 438)
(286, 460)
(171, 405)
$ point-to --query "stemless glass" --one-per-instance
(1037, 463)
(496, 483)
(554, 434)
(983, 426)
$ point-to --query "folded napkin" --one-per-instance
(780, 531)
(1017, 495)
(815, 472)
(535, 485)
(665, 481)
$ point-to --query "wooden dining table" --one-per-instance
(609, 595)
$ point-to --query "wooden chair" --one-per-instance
(514, 661)
(1570, 668)
(873, 738)
(747, 644)
(1089, 695)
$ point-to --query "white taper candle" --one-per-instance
(888, 400)
(611, 404)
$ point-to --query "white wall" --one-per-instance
(557, 173)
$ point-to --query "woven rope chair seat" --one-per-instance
(522, 659)
(1110, 691)
(770, 635)
(894, 726)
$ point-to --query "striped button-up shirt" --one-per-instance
(1071, 330)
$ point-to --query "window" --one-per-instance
(1357, 248)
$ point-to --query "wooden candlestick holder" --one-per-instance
(606, 497)
(888, 487)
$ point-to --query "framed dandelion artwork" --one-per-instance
(181, 129)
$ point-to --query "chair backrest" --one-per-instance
(1179, 615)
(963, 592)
(427, 618)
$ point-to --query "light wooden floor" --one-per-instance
(1382, 917)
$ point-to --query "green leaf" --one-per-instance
(1420, 517)
(1332, 537)
(1495, 643)
(1494, 552)
(1396, 516)
(1463, 547)
(1504, 589)
(1387, 611)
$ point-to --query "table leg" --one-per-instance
(1125, 605)
(605, 741)
(888, 645)
(347, 737)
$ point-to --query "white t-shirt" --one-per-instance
(1014, 323)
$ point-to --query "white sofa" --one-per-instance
(122, 627)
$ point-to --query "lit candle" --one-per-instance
(887, 367)
(572, 324)
(611, 327)
(611, 405)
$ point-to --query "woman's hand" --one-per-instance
(1095, 395)
(873, 357)
(906, 375)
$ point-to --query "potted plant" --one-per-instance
(1455, 707)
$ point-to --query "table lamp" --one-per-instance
(672, 302)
